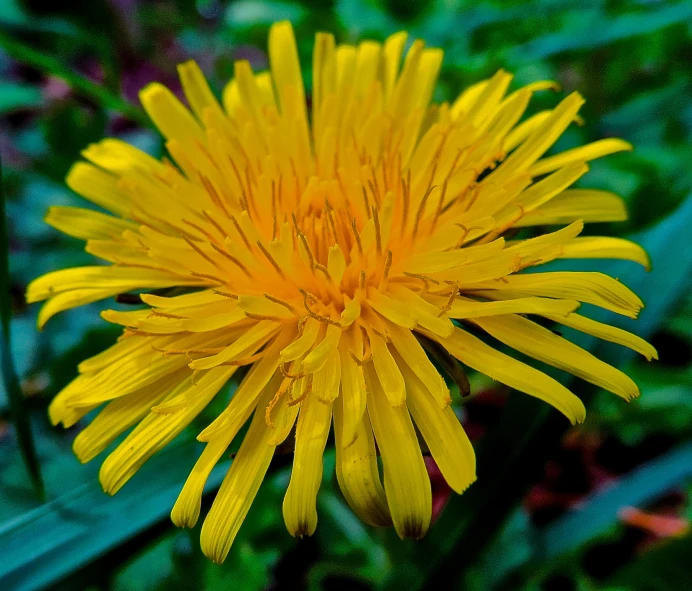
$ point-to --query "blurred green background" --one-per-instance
(605, 505)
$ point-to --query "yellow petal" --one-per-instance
(86, 223)
(540, 140)
(250, 94)
(119, 415)
(428, 315)
(60, 411)
(545, 189)
(336, 263)
(169, 115)
(428, 70)
(352, 391)
(351, 311)
(388, 374)
(413, 356)
(475, 353)
(282, 422)
(285, 67)
(508, 113)
(607, 333)
(187, 507)
(406, 480)
(524, 130)
(188, 301)
(121, 349)
(319, 355)
(357, 471)
(323, 76)
(367, 62)
(245, 397)
(467, 97)
(300, 502)
(604, 247)
(231, 97)
(136, 371)
(259, 333)
(391, 60)
(58, 406)
(99, 187)
(241, 483)
(588, 287)
(403, 93)
(587, 205)
(121, 158)
(542, 245)
(303, 343)
(391, 309)
(263, 307)
(71, 299)
(197, 91)
(543, 344)
(156, 431)
(464, 308)
(328, 378)
(448, 443)
(435, 262)
(488, 100)
(265, 88)
(581, 154)
(106, 278)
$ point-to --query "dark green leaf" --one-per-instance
(44, 544)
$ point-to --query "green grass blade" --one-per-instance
(42, 545)
(20, 414)
(97, 93)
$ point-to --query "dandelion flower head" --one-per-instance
(329, 252)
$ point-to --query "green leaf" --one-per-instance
(43, 544)
(11, 382)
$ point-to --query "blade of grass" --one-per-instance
(20, 414)
(44, 544)
(83, 86)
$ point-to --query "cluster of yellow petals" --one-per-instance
(320, 251)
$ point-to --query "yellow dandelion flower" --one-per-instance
(321, 251)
